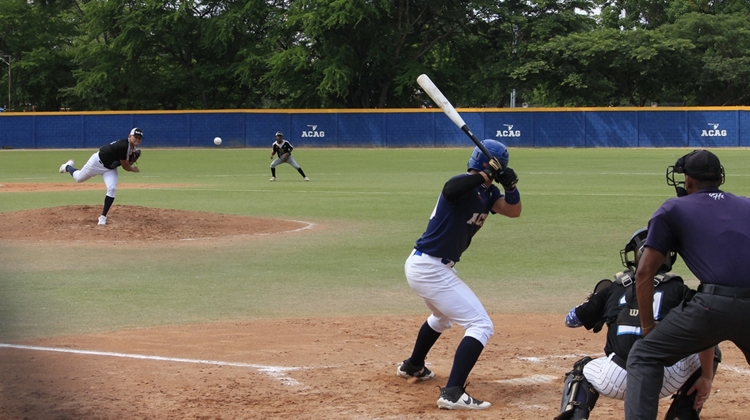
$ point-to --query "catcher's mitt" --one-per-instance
(134, 156)
(285, 157)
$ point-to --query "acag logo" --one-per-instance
(508, 132)
(715, 132)
(313, 132)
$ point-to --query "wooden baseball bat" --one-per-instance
(441, 101)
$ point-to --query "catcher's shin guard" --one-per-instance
(682, 403)
(579, 396)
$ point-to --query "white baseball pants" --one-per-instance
(448, 297)
(95, 167)
(610, 380)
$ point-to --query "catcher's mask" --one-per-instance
(478, 161)
(699, 164)
(631, 254)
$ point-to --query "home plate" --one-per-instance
(529, 380)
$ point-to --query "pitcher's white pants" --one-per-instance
(95, 167)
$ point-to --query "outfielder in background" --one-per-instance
(283, 150)
(615, 304)
(123, 152)
(462, 207)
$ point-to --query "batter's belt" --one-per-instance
(445, 261)
(735, 292)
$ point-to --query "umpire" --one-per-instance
(710, 229)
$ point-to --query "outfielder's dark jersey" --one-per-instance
(452, 225)
(113, 153)
(285, 147)
(607, 306)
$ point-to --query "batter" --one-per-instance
(461, 210)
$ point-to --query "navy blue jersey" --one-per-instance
(452, 225)
(710, 229)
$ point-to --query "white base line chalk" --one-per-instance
(276, 372)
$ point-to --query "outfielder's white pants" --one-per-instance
(276, 162)
(95, 167)
(448, 297)
(610, 380)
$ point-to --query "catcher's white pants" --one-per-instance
(276, 162)
(610, 380)
(95, 167)
(448, 297)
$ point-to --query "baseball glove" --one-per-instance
(285, 157)
(134, 156)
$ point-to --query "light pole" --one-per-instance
(6, 60)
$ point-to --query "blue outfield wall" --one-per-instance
(517, 127)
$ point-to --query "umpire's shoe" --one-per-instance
(408, 370)
(456, 398)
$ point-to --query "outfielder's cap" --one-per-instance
(136, 132)
(703, 166)
(279, 133)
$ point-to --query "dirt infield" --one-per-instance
(333, 368)
(303, 368)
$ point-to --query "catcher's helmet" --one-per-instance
(478, 161)
(631, 255)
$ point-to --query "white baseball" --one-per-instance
(217, 140)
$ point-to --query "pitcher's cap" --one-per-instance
(136, 132)
(703, 166)
(279, 133)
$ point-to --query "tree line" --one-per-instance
(251, 54)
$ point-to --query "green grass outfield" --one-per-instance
(580, 208)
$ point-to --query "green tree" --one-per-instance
(722, 44)
(609, 67)
(37, 36)
(154, 54)
(361, 53)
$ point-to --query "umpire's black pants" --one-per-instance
(697, 325)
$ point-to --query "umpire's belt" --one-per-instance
(713, 289)
(445, 261)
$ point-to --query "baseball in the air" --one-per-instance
(217, 140)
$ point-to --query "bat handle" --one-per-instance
(479, 144)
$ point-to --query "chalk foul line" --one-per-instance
(277, 372)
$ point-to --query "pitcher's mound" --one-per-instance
(133, 224)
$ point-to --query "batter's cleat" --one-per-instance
(102, 220)
(273, 178)
(408, 370)
(456, 398)
(64, 166)
(307, 179)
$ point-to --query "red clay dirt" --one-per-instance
(303, 368)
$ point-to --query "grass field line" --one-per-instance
(276, 372)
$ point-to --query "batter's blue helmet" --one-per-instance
(478, 161)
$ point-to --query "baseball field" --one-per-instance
(214, 293)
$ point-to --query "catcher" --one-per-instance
(283, 149)
(123, 152)
(615, 304)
